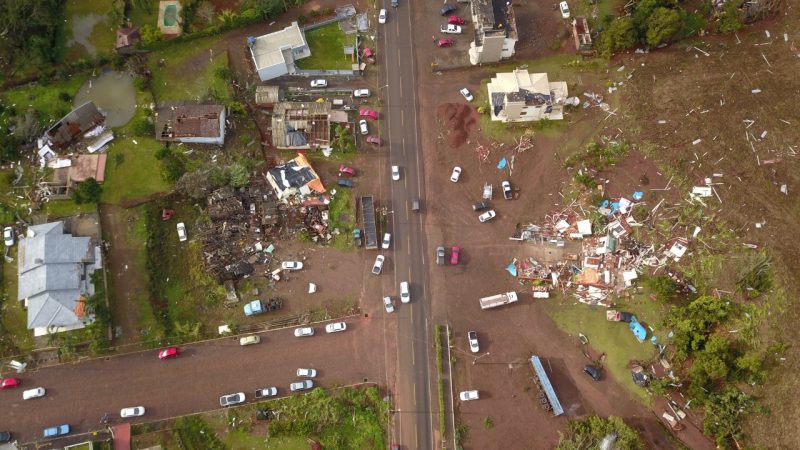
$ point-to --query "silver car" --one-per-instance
(308, 373)
(387, 303)
(303, 332)
(376, 269)
(301, 385)
(487, 216)
(231, 399)
(472, 336)
(466, 396)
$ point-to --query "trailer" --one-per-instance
(498, 300)
(370, 230)
(546, 387)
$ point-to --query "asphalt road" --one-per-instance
(414, 418)
(79, 394)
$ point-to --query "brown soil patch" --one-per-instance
(457, 122)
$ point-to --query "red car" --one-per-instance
(374, 140)
(454, 256)
(445, 42)
(346, 170)
(366, 113)
(455, 20)
(368, 55)
(169, 352)
(8, 383)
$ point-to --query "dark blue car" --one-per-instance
(345, 182)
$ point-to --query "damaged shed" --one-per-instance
(298, 125)
(295, 177)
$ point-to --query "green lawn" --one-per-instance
(327, 49)
(140, 16)
(188, 71)
(137, 175)
(56, 209)
(103, 36)
(14, 317)
(44, 98)
(241, 440)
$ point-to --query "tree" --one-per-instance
(32, 33)
(239, 175)
(150, 34)
(694, 322)
(662, 25)
(663, 287)
(729, 18)
(205, 11)
(620, 34)
(723, 411)
(87, 191)
(588, 433)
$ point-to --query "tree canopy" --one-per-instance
(590, 432)
(31, 32)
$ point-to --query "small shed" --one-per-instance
(266, 96)
(127, 38)
(581, 34)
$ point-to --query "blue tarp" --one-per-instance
(502, 164)
(638, 331)
(512, 269)
(638, 195)
(546, 386)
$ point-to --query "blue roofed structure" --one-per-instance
(547, 387)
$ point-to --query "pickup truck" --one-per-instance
(257, 307)
(498, 300)
(357, 237)
(450, 29)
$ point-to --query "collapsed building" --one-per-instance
(495, 31)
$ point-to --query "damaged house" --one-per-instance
(301, 125)
(495, 31)
(70, 129)
(296, 177)
(190, 123)
(520, 96)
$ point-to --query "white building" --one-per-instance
(520, 96)
(274, 54)
(495, 31)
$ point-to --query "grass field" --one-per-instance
(13, 315)
(103, 35)
(45, 98)
(56, 209)
(137, 175)
(327, 49)
(188, 71)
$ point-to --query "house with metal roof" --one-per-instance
(54, 271)
(73, 126)
(301, 125)
(520, 96)
(274, 54)
(190, 123)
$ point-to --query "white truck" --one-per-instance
(498, 300)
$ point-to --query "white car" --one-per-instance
(231, 399)
(405, 294)
(376, 269)
(363, 127)
(303, 332)
(8, 236)
(472, 337)
(308, 373)
(456, 174)
(181, 231)
(291, 265)
(319, 83)
(450, 29)
(387, 303)
(466, 94)
(361, 93)
(507, 193)
(487, 216)
(335, 327)
(301, 385)
(395, 173)
(466, 396)
(136, 411)
(387, 241)
(33, 393)
(382, 16)
(564, 7)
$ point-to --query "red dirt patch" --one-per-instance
(457, 121)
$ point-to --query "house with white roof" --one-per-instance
(520, 96)
(274, 54)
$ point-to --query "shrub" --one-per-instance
(662, 25)
(581, 433)
(87, 191)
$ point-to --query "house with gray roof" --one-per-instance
(55, 270)
(274, 54)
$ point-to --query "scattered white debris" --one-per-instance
(767, 33)
(784, 189)
(756, 91)
(662, 122)
(764, 134)
(696, 141)
(702, 191)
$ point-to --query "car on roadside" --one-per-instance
(454, 254)
(472, 337)
(291, 265)
(445, 42)
(169, 352)
(592, 371)
(450, 29)
(440, 255)
(33, 393)
(249, 340)
(370, 57)
(8, 236)
(367, 113)
(455, 20)
(382, 16)
(466, 396)
(303, 331)
(487, 216)
(56, 431)
(363, 127)
(181, 231)
(5, 436)
(466, 94)
(396, 173)
(564, 8)
(388, 305)
(448, 9)
(10, 383)
(266, 392)
(507, 193)
(301, 385)
(378, 266)
(455, 174)
(335, 327)
(480, 206)
(231, 399)
(307, 373)
(387, 241)
(375, 140)
(344, 182)
(405, 293)
(358, 93)
(346, 170)
(135, 411)
(319, 83)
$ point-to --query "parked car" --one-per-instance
(387, 304)
(487, 216)
(291, 265)
(231, 399)
(466, 396)
(181, 232)
(376, 269)
(5, 436)
(480, 206)
(454, 254)
(456, 174)
(382, 16)
(33, 393)
(319, 83)
(303, 331)
(335, 327)
(450, 29)
(405, 293)
(447, 10)
(507, 194)
(344, 182)
(363, 127)
(249, 340)
(466, 94)
(346, 170)
(472, 337)
(375, 140)
(592, 371)
(301, 385)
(367, 113)
(169, 352)
(9, 383)
(440, 255)
(564, 7)
(266, 392)
(445, 42)
(135, 411)
(387, 241)
(8, 236)
(308, 373)
(455, 20)
(367, 54)
(56, 431)
(361, 93)
(415, 205)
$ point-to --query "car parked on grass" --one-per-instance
(472, 337)
(456, 174)
(308, 373)
(169, 352)
(319, 83)
(346, 170)
(440, 255)
(480, 206)
(564, 8)
(445, 42)
(33, 393)
(361, 93)
(135, 411)
(301, 385)
(382, 16)
(249, 340)
(507, 193)
(231, 399)
(181, 232)
(8, 236)
(375, 140)
(405, 293)
(466, 396)
(454, 254)
(303, 331)
(396, 173)
(378, 266)
(56, 431)
(335, 327)
(291, 265)
(466, 94)
(592, 371)
(388, 305)
(387, 241)
(10, 383)
(450, 29)
(363, 127)
(455, 20)
(487, 216)
(367, 113)
(344, 182)
(447, 9)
